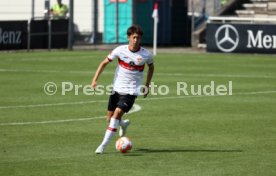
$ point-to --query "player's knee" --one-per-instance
(118, 113)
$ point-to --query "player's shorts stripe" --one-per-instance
(131, 67)
(111, 129)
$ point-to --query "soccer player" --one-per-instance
(128, 78)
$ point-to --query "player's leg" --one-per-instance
(126, 102)
(109, 115)
(113, 118)
(111, 129)
(122, 122)
(123, 127)
(123, 105)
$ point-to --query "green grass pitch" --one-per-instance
(230, 135)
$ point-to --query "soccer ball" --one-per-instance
(123, 144)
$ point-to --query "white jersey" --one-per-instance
(129, 73)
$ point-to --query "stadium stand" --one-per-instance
(258, 8)
(240, 9)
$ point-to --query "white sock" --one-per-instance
(110, 131)
(122, 123)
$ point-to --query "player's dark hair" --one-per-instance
(134, 29)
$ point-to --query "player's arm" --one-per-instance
(100, 69)
(149, 76)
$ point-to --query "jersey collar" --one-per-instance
(134, 51)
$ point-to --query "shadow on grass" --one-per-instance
(145, 150)
(142, 151)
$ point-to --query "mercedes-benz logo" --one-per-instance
(227, 38)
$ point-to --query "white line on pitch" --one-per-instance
(53, 104)
(135, 108)
(151, 98)
(203, 96)
(160, 74)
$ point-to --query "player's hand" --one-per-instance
(145, 91)
(94, 84)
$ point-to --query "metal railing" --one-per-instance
(49, 18)
(251, 20)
